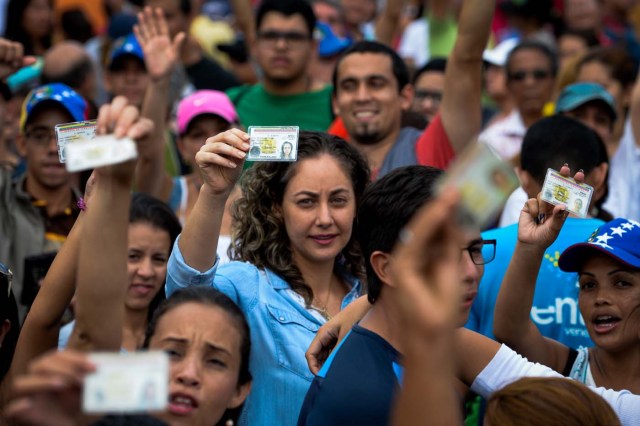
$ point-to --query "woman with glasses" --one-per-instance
(608, 267)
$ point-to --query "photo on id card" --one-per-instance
(484, 182)
(127, 383)
(273, 143)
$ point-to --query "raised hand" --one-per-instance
(49, 393)
(161, 54)
(425, 266)
(220, 160)
(121, 119)
(11, 57)
(541, 222)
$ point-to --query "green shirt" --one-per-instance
(256, 107)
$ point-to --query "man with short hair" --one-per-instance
(346, 393)
(428, 84)
(284, 48)
(547, 144)
(69, 63)
(38, 209)
(371, 90)
(531, 69)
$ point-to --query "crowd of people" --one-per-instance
(334, 284)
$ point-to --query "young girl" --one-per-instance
(297, 261)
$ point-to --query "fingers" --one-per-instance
(161, 23)
(140, 129)
(117, 117)
(178, 42)
(320, 348)
(565, 171)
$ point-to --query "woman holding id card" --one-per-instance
(296, 262)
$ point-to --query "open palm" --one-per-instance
(160, 53)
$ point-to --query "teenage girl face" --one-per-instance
(148, 253)
(37, 19)
(319, 206)
(198, 130)
(597, 72)
(609, 301)
(203, 343)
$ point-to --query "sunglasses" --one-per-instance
(536, 74)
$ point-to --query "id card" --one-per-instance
(273, 143)
(127, 383)
(73, 132)
(100, 151)
(558, 189)
(484, 182)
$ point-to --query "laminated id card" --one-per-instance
(558, 189)
(135, 382)
(100, 151)
(73, 132)
(277, 143)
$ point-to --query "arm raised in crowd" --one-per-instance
(388, 23)
(461, 108)
(429, 292)
(634, 111)
(160, 56)
(539, 226)
(220, 162)
(102, 260)
(12, 58)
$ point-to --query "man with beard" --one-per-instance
(284, 48)
(371, 91)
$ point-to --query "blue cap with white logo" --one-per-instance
(619, 239)
(127, 45)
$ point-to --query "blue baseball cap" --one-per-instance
(578, 94)
(124, 46)
(619, 239)
(54, 93)
(329, 42)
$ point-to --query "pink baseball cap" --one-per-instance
(205, 102)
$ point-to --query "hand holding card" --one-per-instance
(220, 160)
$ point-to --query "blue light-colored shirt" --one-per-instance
(555, 303)
(281, 331)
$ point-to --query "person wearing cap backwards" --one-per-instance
(608, 267)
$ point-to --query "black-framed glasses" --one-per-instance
(481, 251)
(537, 75)
(6, 279)
(293, 38)
(40, 136)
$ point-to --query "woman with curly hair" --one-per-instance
(295, 259)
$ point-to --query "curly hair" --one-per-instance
(259, 235)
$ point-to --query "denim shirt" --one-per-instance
(281, 331)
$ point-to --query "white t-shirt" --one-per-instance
(513, 207)
(624, 178)
(414, 43)
(505, 136)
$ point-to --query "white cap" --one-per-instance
(499, 54)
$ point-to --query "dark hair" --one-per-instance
(621, 66)
(146, 209)
(386, 207)
(259, 235)
(398, 66)
(73, 77)
(589, 36)
(556, 140)
(534, 45)
(185, 5)
(8, 311)
(210, 297)
(434, 65)
(287, 8)
(76, 26)
(15, 31)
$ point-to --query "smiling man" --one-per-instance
(371, 91)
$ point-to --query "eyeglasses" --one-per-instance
(482, 252)
(40, 137)
(292, 38)
(6, 279)
(433, 96)
(536, 74)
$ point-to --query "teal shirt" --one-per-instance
(256, 107)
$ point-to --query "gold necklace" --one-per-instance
(323, 309)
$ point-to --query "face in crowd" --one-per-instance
(530, 79)
(428, 87)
